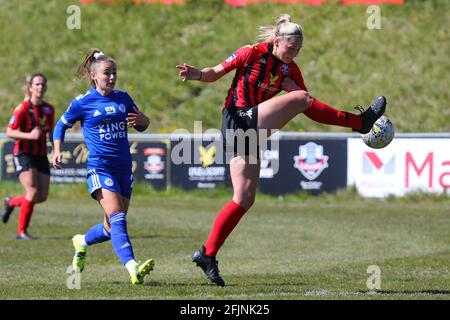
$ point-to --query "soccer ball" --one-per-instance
(381, 133)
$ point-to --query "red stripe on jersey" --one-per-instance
(259, 75)
(25, 118)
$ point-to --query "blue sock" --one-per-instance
(97, 234)
(119, 237)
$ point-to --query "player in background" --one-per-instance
(30, 125)
(262, 71)
(105, 115)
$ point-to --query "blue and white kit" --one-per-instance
(104, 126)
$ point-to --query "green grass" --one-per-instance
(301, 247)
(342, 61)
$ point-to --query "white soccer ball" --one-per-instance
(381, 133)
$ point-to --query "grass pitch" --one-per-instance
(289, 248)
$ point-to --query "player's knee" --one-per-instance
(33, 194)
(302, 98)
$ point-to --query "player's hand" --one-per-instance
(289, 85)
(188, 72)
(35, 133)
(137, 118)
(57, 161)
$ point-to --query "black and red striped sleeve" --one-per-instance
(238, 59)
(15, 122)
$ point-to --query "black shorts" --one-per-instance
(25, 161)
(240, 132)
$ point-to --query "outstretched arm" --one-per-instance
(209, 74)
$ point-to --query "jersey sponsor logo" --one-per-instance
(284, 69)
(231, 58)
(112, 131)
(267, 87)
(110, 109)
(273, 79)
(122, 108)
(97, 113)
(311, 161)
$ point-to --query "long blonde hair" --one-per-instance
(89, 64)
(283, 28)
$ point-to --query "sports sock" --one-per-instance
(16, 201)
(131, 266)
(323, 113)
(225, 222)
(97, 234)
(26, 210)
(119, 237)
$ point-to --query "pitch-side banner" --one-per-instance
(406, 165)
(149, 163)
(312, 166)
(197, 164)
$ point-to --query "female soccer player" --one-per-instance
(104, 114)
(32, 122)
(262, 71)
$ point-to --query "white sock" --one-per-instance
(83, 241)
(131, 266)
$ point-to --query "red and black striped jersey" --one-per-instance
(26, 117)
(259, 75)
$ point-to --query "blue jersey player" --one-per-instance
(105, 115)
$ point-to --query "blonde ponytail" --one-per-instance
(283, 28)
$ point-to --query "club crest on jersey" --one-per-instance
(109, 182)
(231, 58)
(284, 69)
(263, 61)
(110, 110)
(122, 108)
(47, 110)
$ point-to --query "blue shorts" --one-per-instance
(117, 182)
